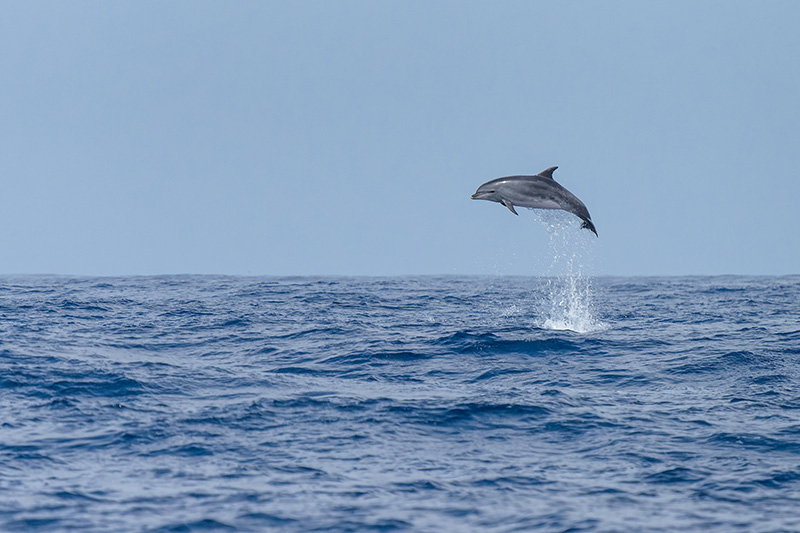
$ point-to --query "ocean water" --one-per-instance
(566, 403)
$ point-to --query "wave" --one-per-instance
(490, 343)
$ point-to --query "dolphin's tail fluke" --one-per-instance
(587, 224)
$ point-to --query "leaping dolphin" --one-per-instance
(540, 191)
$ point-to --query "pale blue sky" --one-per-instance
(346, 137)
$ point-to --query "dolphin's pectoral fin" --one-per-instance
(509, 205)
(547, 173)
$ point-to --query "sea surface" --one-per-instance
(490, 404)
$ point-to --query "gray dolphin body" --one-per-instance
(540, 191)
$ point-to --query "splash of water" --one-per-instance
(568, 301)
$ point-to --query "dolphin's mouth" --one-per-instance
(482, 195)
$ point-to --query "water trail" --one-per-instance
(568, 299)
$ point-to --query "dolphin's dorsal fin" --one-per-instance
(547, 173)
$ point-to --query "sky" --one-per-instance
(345, 138)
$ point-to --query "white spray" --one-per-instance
(568, 299)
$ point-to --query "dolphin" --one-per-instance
(540, 191)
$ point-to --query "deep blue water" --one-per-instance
(399, 404)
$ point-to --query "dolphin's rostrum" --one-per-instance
(540, 191)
